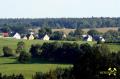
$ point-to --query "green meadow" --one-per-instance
(10, 65)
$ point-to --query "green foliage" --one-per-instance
(7, 51)
(77, 35)
(20, 47)
(56, 52)
(79, 32)
(61, 22)
(20, 76)
(112, 36)
(5, 29)
(94, 60)
(54, 74)
(36, 50)
(24, 57)
(44, 31)
(93, 32)
(57, 35)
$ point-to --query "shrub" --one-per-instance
(20, 47)
(24, 57)
(7, 51)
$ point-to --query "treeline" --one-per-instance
(61, 22)
(56, 52)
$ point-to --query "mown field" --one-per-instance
(10, 65)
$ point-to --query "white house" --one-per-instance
(102, 39)
(64, 36)
(46, 37)
(17, 36)
(88, 38)
(84, 36)
(25, 38)
(31, 37)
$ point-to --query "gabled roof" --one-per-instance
(42, 36)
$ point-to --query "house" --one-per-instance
(88, 38)
(46, 37)
(84, 36)
(25, 37)
(31, 37)
(5, 34)
(64, 36)
(102, 39)
(99, 38)
(17, 36)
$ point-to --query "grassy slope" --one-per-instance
(6, 67)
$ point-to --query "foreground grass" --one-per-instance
(7, 67)
(29, 69)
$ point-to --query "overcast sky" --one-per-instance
(59, 8)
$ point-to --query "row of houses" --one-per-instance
(95, 38)
(31, 36)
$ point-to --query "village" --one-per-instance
(35, 36)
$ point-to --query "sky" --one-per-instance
(59, 8)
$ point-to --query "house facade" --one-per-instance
(88, 38)
(46, 37)
(17, 36)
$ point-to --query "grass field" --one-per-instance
(10, 65)
(7, 67)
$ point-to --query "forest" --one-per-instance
(62, 22)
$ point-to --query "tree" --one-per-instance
(44, 31)
(93, 32)
(36, 50)
(57, 35)
(112, 36)
(79, 32)
(5, 29)
(7, 51)
(24, 57)
(20, 47)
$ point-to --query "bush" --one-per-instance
(24, 57)
(7, 51)
(20, 76)
(20, 47)
(54, 74)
